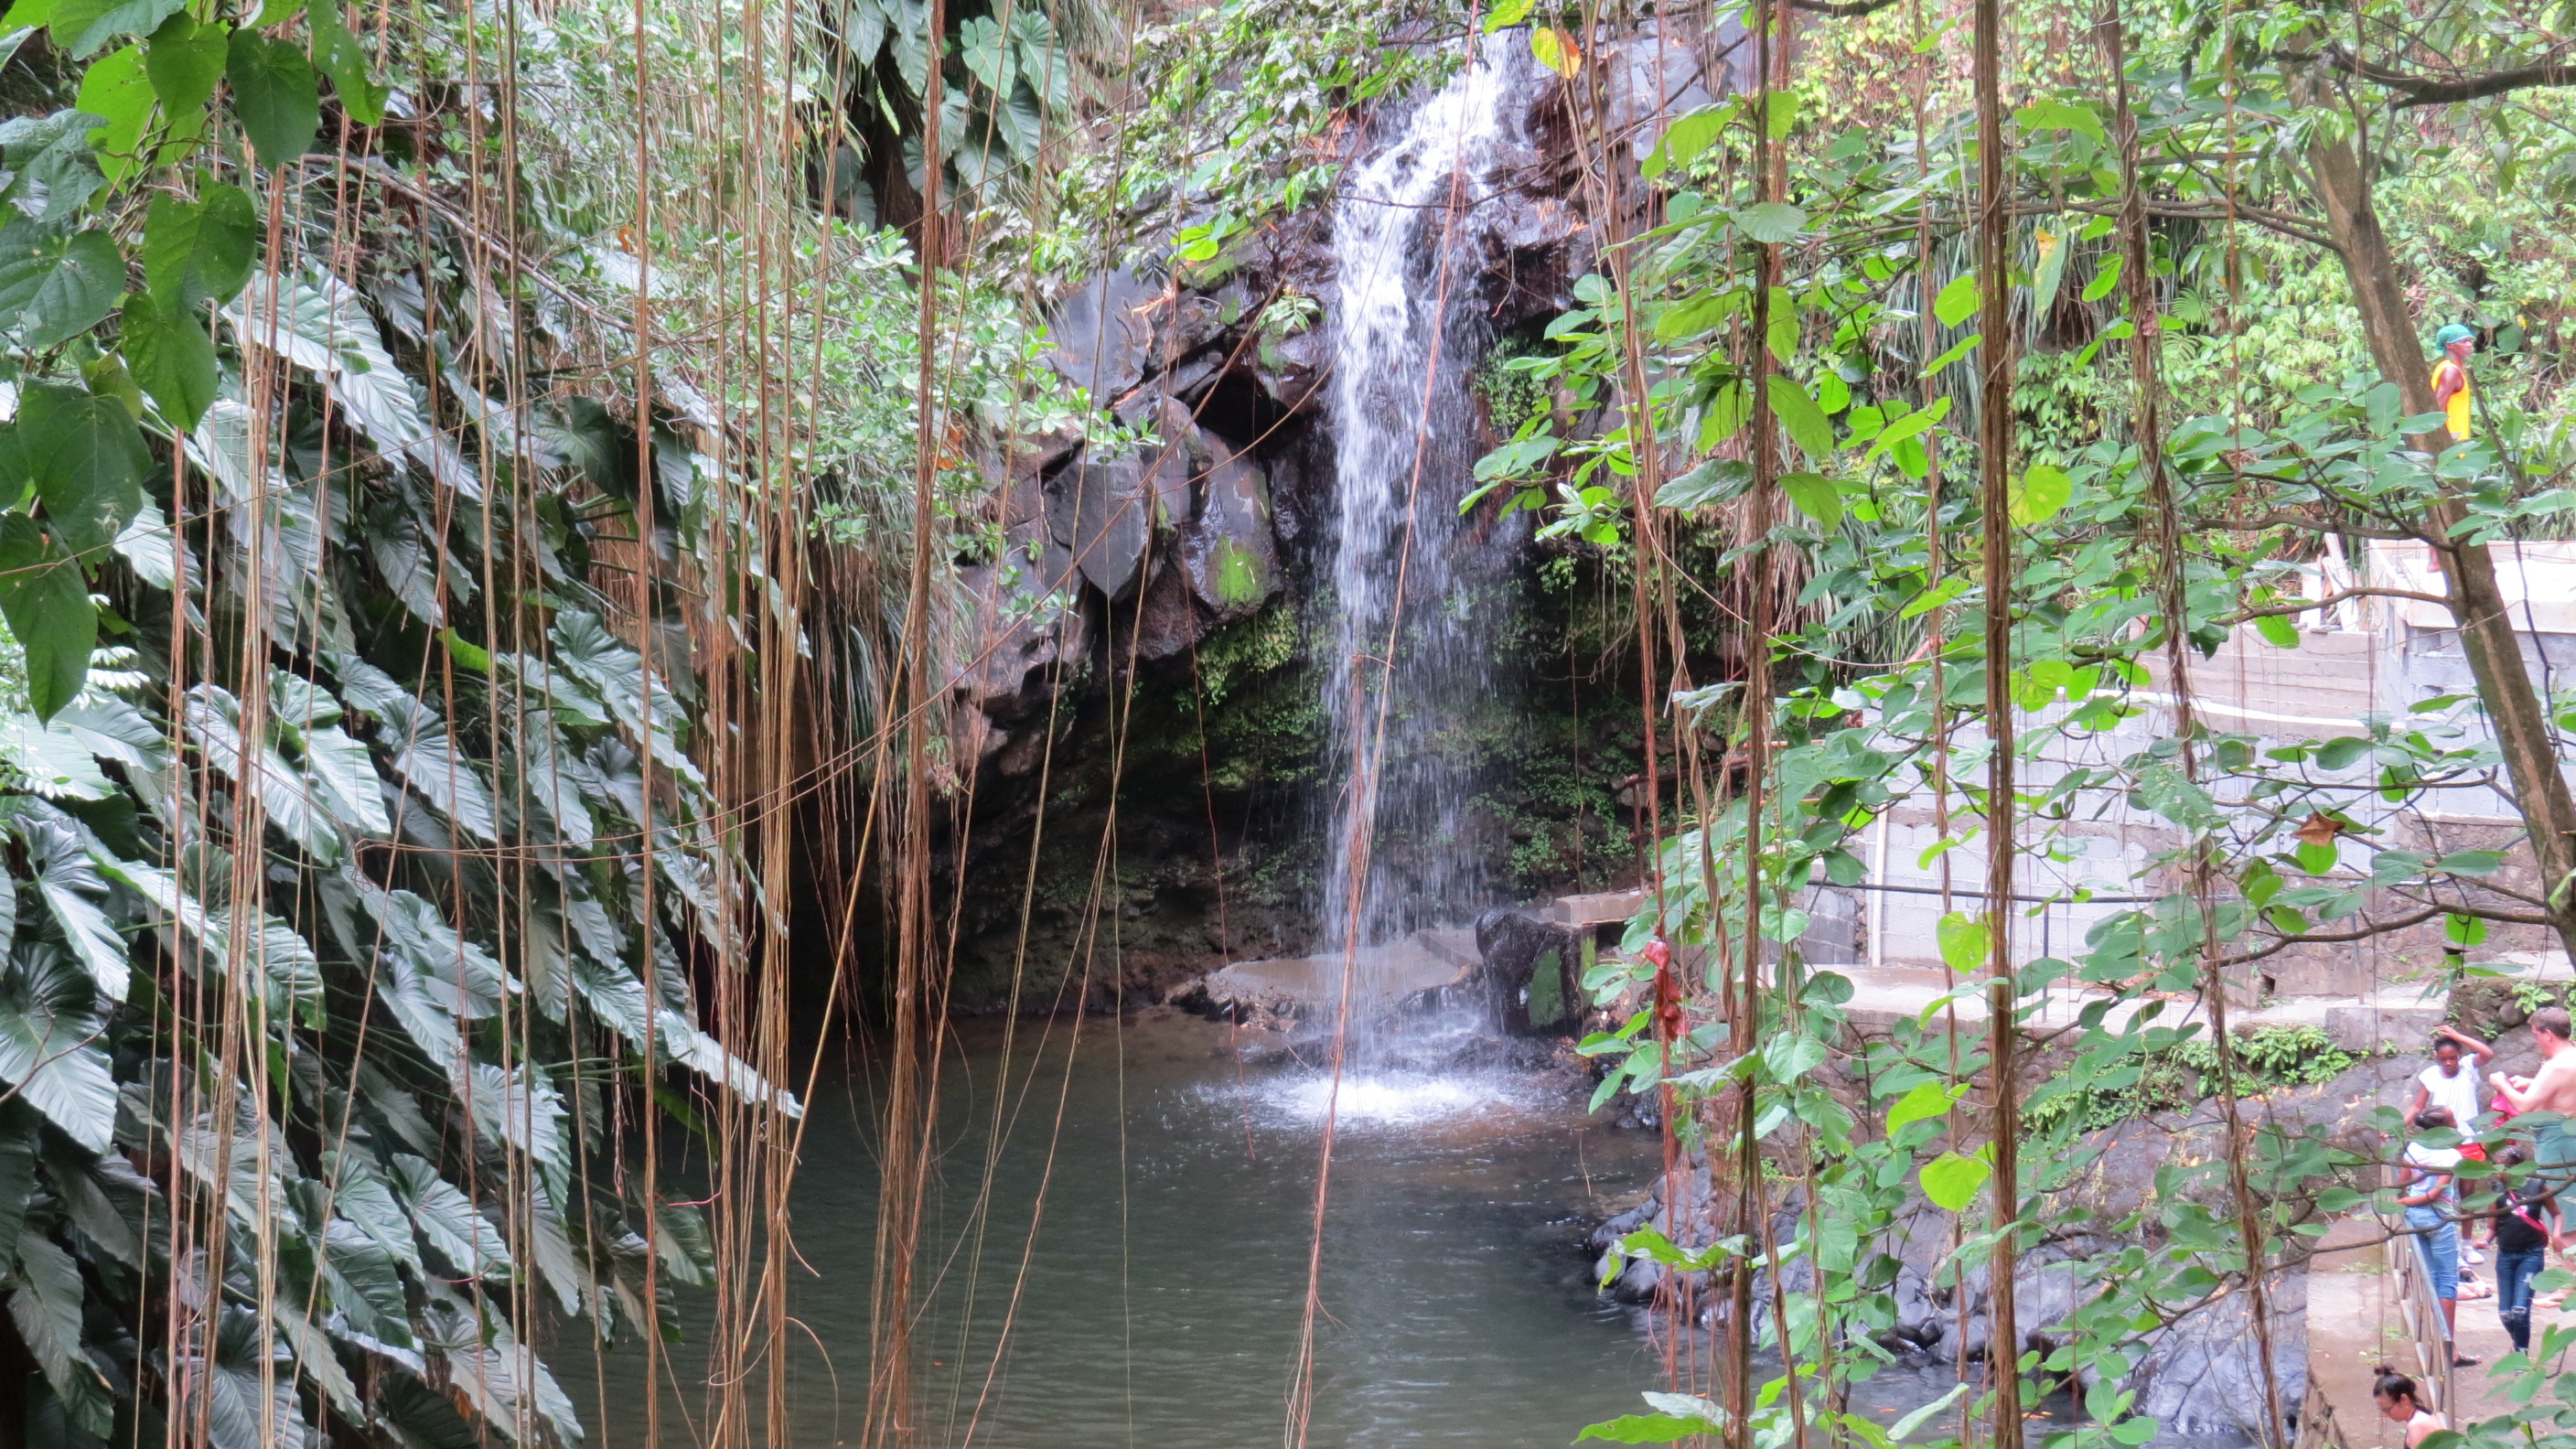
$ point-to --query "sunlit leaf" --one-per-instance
(1952, 1181)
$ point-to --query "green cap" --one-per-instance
(2454, 333)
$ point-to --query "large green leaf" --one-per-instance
(89, 461)
(289, 799)
(1799, 416)
(446, 778)
(273, 948)
(200, 251)
(173, 359)
(49, 1045)
(242, 1403)
(448, 1221)
(51, 159)
(346, 778)
(1952, 1180)
(519, 1106)
(274, 95)
(116, 90)
(51, 761)
(507, 1384)
(185, 62)
(367, 1287)
(47, 1309)
(54, 287)
(17, 1174)
(343, 57)
(467, 983)
(361, 1194)
(68, 879)
(106, 1199)
(46, 601)
(83, 26)
(318, 323)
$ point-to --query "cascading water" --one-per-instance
(1414, 587)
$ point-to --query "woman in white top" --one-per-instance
(2451, 1081)
(2454, 1082)
(2395, 1394)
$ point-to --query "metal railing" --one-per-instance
(2425, 1325)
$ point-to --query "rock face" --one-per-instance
(1120, 552)
(1530, 972)
(2199, 1375)
(1149, 582)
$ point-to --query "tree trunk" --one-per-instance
(2517, 714)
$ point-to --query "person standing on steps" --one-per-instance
(2452, 1081)
(2451, 378)
(2525, 1231)
(2424, 1190)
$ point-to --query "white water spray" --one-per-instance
(1411, 658)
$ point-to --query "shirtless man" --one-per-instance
(2552, 1089)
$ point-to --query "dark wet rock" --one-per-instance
(1531, 972)
(1291, 369)
(1172, 471)
(1097, 509)
(1167, 619)
(1104, 335)
(1231, 552)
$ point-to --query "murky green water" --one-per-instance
(1165, 1261)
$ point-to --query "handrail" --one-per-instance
(2424, 1322)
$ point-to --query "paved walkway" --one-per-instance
(2354, 1326)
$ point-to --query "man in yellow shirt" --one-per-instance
(2451, 377)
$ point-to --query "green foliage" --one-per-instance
(2185, 1075)
(359, 827)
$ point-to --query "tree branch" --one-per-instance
(1841, 9)
(2421, 90)
(2283, 943)
(2329, 601)
(2300, 520)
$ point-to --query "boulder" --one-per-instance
(1104, 335)
(1230, 551)
(1097, 509)
(1167, 619)
(1531, 972)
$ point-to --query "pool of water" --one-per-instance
(1165, 1262)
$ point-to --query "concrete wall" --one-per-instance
(2362, 657)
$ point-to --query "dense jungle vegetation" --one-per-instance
(484, 486)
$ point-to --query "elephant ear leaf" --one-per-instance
(49, 1032)
(46, 1307)
(448, 1221)
(241, 1401)
(46, 601)
(68, 880)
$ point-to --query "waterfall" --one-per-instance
(1415, 590)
